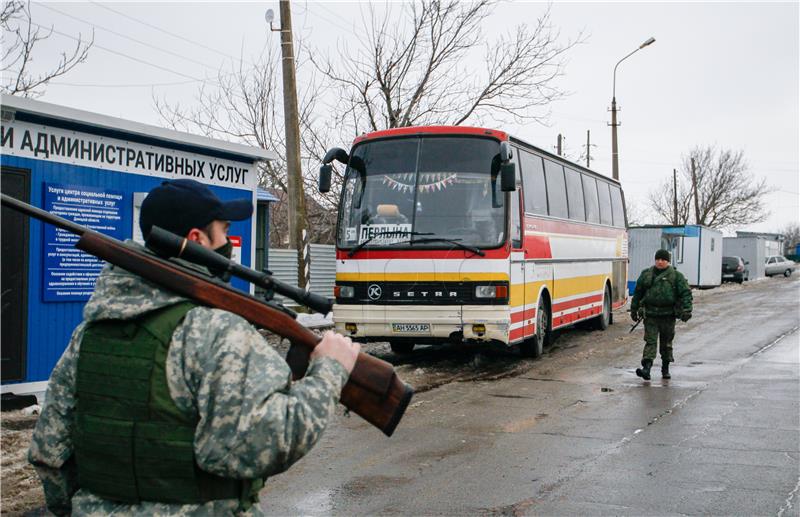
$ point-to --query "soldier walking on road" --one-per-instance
(661, 295)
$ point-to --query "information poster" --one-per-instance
(70, 274)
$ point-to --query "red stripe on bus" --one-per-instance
(568, 319)
(543, 225)
(516, 334)
(577, 302)
(518, 316)
(537, 246)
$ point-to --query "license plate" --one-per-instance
(727, 276)
(411, 328)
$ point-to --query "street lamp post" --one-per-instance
(614, 150)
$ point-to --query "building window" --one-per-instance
(673, 244)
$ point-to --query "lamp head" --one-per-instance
(648, 42)
(270, 16)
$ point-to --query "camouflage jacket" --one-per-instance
(663, 294)
(254, 421)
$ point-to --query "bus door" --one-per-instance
(517, 300)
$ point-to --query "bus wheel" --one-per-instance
(401, 347)
(602, 321)
(534, 346)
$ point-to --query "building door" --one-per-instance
(14, 281)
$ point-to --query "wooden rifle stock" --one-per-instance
(374, 391)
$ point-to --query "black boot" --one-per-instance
(665, 371)
(644, 371)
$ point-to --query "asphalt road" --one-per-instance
(577, 433)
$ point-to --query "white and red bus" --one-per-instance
(460, 234)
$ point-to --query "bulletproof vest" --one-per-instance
(132, 443)
(660, 289)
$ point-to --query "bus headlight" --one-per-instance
(491, 291)
(344, 291)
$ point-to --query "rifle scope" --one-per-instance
(169, 245)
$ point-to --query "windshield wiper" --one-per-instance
(383, 234)
(454, 242)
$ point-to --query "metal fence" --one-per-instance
(283, 264)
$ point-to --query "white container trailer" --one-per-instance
(696, 252)
(751, 249)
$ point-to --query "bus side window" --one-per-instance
(605, 203)
(575, 195)
(516, 226)
(535, 192)
(592, 204)
(617, 209)
(556, 190)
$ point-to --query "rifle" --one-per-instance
(641, 317)
(373, 391)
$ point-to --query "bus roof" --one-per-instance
(433, 130)
(475, 131)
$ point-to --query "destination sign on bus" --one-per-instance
(382, 233)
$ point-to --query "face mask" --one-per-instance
(226, 250)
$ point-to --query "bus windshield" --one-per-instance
(428, 189)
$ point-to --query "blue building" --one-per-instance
(94, 170)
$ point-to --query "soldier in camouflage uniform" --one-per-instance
(661, 295)
(162, 407)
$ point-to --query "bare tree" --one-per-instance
(634, 213)
(20, 36)
(423, 66)
(244, 104)
(791, 237)
(727, 192)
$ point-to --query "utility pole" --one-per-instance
(588, 152)
(614, 125)
(674, 197)
(560, 138)
(298, 237)
(694, 190)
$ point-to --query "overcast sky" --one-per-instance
(719, 73)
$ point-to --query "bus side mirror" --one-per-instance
(506, 152)
(325, 178)
(508, 177)
(338, 154)
(508, 180)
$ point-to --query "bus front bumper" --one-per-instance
(431, 322)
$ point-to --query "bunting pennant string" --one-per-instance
(429, 182)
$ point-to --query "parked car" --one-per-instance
(779, 265)
(734, 269)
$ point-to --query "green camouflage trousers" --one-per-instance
(659, 329)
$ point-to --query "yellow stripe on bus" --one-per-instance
(421, 277)
(563, 288)
(578, 285)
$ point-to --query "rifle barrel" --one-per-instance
(42, 215)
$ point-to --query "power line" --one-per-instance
(335, 15)
(94, 85)
(164, 31)
(140, 42)
(144, 85)
(132, 58)
(122, 54)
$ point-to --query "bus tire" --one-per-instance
(401, 347)
(534, 346)
(602, 321)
